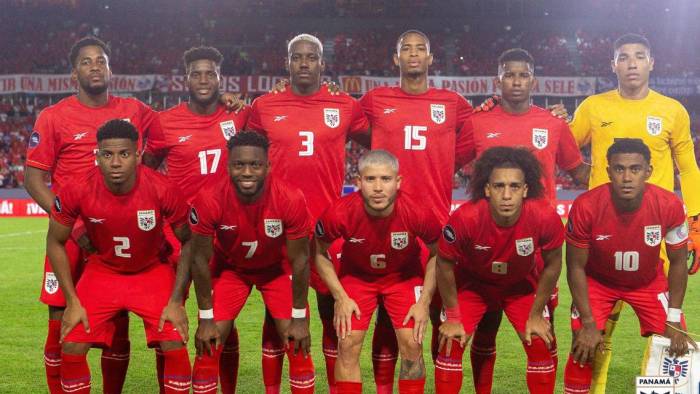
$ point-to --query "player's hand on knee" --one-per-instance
(420, 314)
(280, 86)
(232, 101)
(588, 340)
(559, 111)
(73, 315)
(175, 313)
(679, 340)
(538, 325)
(449, 332)
(299, 333)
(207, 337)
(342, 318)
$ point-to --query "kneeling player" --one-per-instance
(613, 239)
(124, 209)
(487, 261)
(380, 262)
(245, 222)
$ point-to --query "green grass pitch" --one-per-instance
(24, 330)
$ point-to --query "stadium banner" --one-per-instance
(478, 86)
(669, 86)
(63, 83)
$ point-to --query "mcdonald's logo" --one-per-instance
(352, 84)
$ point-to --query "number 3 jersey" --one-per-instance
(623, 247)
(501, 259)
(126, 229)
(307, 140)
(375, 247)
(250, 236)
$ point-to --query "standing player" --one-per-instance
(487, 261)
(515, 122)
(380, 263)
(307, 127)
(245, 223)
(635, 111)
(193, 144)
(124, 207)
(613, 241)
(63, 144)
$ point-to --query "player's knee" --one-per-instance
(349, 350)
(410, 350)
(75, 348)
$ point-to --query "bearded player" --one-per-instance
(247, 223)
(63, 145)
(380, 263)
(487, 261)
(516, 122)
(124, 207)
(307, 127)
(613, 240)
(193, 145)
(633, 110)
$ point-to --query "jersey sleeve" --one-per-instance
(44, 143)
(464, 111)
(254, 120)
(684, 155)
(676, 236)
(454, 234)
(465, 147)
(297, 222)
(174, 208)
(66, 207)
(328, 226)
(581, 124)
(552, 233)
(155, 142)
(150, 121)
(366, 104)
(428, 228)
(359, 123)
(568, 153)
(242, 117)
(578, 226)
(203, 215)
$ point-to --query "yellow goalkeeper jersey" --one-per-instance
(661, 122)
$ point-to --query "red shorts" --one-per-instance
(51, 293)
(104, 293)
(396, 296)
(334, 252)
(649, 302)
(474, 305)
(232, 289)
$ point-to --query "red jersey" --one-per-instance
(307, 140)
(64, 140)
(623, 247)
(499, 258)
(126, 229)
(547, 137)
(194, 146)
(374, 246)
(421, 131)
(250, 237)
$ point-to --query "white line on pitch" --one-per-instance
(8, 235)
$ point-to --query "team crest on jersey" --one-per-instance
(654, 125)
(331, 117)
(34, 139)
(399, 240)
(146, 219)
(675, 368)
(437, 113)
(51, 283)
(652, 235)
(228, 128)
(524, 246)
(540, 138)
(273, 228)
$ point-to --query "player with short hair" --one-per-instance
(516, 122)
(248, 224)
(308, 128)
(487, 260)
(633, 110)
(613, 240)
(380, 262)
(124, 207)
(192, 142)
(63, 144)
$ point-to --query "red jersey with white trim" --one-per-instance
(194, 145)
(250, 237)
(421, 131)
(547, 137)
(64, 140)
(126, 229)
(377, 247)
(490, 256)
(623, 247)
(307, 140)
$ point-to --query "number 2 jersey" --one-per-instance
(126, 229)
(623, 247)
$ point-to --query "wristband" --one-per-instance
(206, 313)
(298, 313)
(453, 314)
(674, 315)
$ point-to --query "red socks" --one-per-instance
(448, 370)
(272, 357)
(577, 380)
(541, 375)
(228, 363)
(345, 387)
(75, 373)
(301, 371)
(177, 377)
(385, 352)
(330, 352)
(413, 386)
(52, 357)
(205, 373)
(115, 359)
(483, 359)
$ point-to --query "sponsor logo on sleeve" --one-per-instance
(34, 139)
(449, 234)
(57, 204)
(194, 218)
(320, 231)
